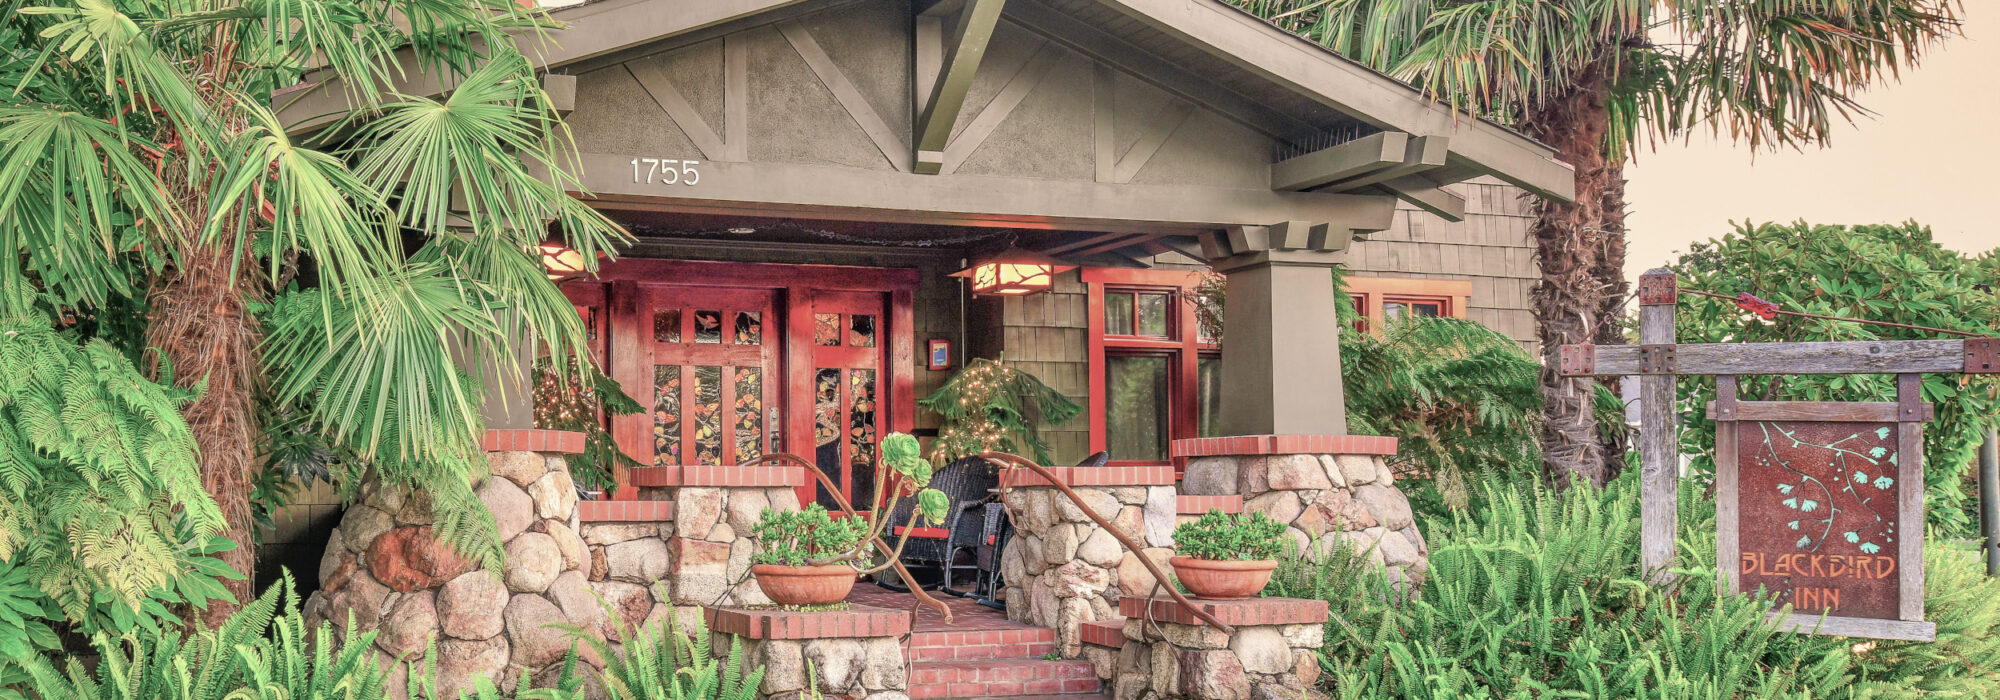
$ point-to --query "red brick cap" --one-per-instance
(1144, 475)
(1285, 445)
(625, 511)
(559, 441)
(722, 476)
(1200, 505)
(1235, 613)
(772, 623)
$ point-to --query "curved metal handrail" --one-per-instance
(1006, 461)
(833, 490)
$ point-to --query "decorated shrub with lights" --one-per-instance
(992, 407)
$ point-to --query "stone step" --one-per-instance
(1002, 677)
(956, 645)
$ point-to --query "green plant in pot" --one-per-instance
(1227, 557)
(809, 557)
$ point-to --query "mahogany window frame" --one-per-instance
(1369, 294)
(1182, 345)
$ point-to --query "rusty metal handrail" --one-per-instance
(833, 490)
(1006, 461)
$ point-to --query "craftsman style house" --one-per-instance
(838, 203)
(804, 178)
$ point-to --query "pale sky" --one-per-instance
(1926, 154)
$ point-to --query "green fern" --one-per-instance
(100, 491)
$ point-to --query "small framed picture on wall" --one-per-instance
(939, 356)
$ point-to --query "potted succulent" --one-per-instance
(809, 557)
(1225, 557)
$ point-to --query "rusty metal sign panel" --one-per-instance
(1817, 521)
(1820, 505)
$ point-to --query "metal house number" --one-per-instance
(665, 171)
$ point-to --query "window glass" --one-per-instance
(826, 329)
(861, 433)
(861, 330)
(749, 413)
(1136, 399)
(707, 391)
(1208, 396)
(708, 327)
(1153, 315)
(1118, 313)
(749, 328)
(666, 415)
(1398, 309)
(667, 325)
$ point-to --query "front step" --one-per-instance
(1019, 643)
(1002, 677)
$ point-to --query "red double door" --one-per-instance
(738, 360)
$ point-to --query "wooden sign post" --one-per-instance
(1821, 504)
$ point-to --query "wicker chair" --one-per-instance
(993, 540)
(970, 483)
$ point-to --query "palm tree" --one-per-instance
(1595, 78)
(369, 279)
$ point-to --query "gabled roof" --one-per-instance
(1311, 94)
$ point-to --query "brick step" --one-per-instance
(1002, 677)
(1065, 696)
(1013, 643)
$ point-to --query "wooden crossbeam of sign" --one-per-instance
(1956, 356)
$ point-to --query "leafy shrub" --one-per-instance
(1883, 273)
(577, 401)
(1220, 536)
(798, 537)
(1539, 596)
(989, 406)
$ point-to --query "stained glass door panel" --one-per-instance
(714, 374)
(848, 385)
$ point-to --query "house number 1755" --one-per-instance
(665, 171)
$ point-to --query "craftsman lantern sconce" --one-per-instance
(1013, 272)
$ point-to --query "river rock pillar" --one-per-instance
(386, 571)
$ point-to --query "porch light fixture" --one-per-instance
(1013, 272)
(561, 261)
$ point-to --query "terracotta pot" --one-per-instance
(1223, 580)
(804, 585)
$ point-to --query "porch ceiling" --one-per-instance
(1096, 248)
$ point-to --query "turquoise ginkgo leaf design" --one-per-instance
(1793, 524)
(1809, 505)
(1785, 488)
(1877, 452)
(1860, 477)
(1870, 548)
(1883, 482)
(1805, 541)
(1792, 503)
(1882, 433)
(1852, 536)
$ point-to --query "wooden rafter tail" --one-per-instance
(1005, 461)
(833, 490)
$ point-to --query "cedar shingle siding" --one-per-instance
(1490, 249)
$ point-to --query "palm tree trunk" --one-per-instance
(202, 322)
(1610, 274)
(1571, 250)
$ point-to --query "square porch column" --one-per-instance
(1281, 354)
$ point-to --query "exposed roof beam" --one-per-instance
(1428, 196)
(937, 8)
(1424, 153)
(964, 48)
(1082, 38)
(1235, 36)
(1352, 159)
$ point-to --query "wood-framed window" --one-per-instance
(1380, 299)
(1155, 373)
